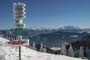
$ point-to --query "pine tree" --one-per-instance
(41, 47)
(81, 52)
(71, 52)
(34, 46)
(63, 49)
(44, 49)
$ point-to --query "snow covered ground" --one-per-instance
(8, 52)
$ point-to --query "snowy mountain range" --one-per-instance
(8, 52)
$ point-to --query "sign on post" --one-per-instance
(19, 10)
(18, 31)
(17, 42)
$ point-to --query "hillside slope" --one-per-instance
(8, 52)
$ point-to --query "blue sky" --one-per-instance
(48, 13)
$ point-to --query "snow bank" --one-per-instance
(11, 53)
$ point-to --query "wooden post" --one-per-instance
(19, 52)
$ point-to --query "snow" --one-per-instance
(55, 48)
(11, 53)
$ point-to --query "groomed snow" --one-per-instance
(11, 53)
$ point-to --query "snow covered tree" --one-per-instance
(44, 49)
(34, 46)
(71, 52)
(63, 49)
(81, 52)
(41, 47)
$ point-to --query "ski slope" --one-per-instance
(8, 52)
